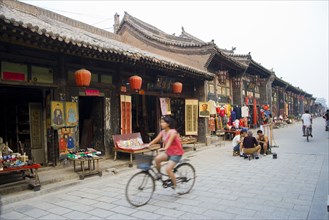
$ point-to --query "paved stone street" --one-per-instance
(295, 186)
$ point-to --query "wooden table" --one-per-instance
(192, 141)
(154, 147)
(91, 169)
(29, 171)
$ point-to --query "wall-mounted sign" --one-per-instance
(92, 92)
(42, 75)
(13, 71)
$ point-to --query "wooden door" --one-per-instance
(36, 132)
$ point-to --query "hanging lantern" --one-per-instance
(177, 87)
(82, 77)
(135, 82)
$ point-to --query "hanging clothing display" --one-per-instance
(237, 111)
(222, 112)
(233, 116)
(244, 111)
(227, 108)
(212, 107)
(217, 122)
(212, 124)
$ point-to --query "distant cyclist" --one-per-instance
(326, 117)
(307, 122)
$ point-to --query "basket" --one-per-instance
(144, 161)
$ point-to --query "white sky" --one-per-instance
(289, 36)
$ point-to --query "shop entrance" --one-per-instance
(22, 121)
(91, 122)
(145, 116)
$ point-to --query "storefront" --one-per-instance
(142, 108)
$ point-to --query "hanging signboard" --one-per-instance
(191, 117)
(13, 71)
(165, 106)
(42, 75)
(126, 114)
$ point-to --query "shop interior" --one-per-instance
(91, 122)
(146, 115)
(14, 117)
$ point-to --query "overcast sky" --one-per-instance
(289, 36)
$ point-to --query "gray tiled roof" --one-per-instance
(156, 34)
(67, 30)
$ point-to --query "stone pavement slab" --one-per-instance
(294, 186)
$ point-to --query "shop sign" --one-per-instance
(13, 71)
(42, 75)
(92, 92)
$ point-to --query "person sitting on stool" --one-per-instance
(237, 143)
(250, 145)
(263, 141)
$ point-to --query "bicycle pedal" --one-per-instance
(167, 183)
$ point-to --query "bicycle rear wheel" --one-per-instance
(307, 134)
(140, 188)
(185, 177)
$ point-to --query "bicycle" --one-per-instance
(307, 132)
(141, 186)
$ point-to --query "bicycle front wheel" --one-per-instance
(140, 188)
(185, 177)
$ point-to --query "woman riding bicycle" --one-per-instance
(172, 146)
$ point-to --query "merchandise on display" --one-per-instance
(84, 153)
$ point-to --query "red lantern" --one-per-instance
(135, 82)
(177, 87)
(82, 77)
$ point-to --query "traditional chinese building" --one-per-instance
(42, 106)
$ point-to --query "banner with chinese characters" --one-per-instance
(191, 117)
(126, 114)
